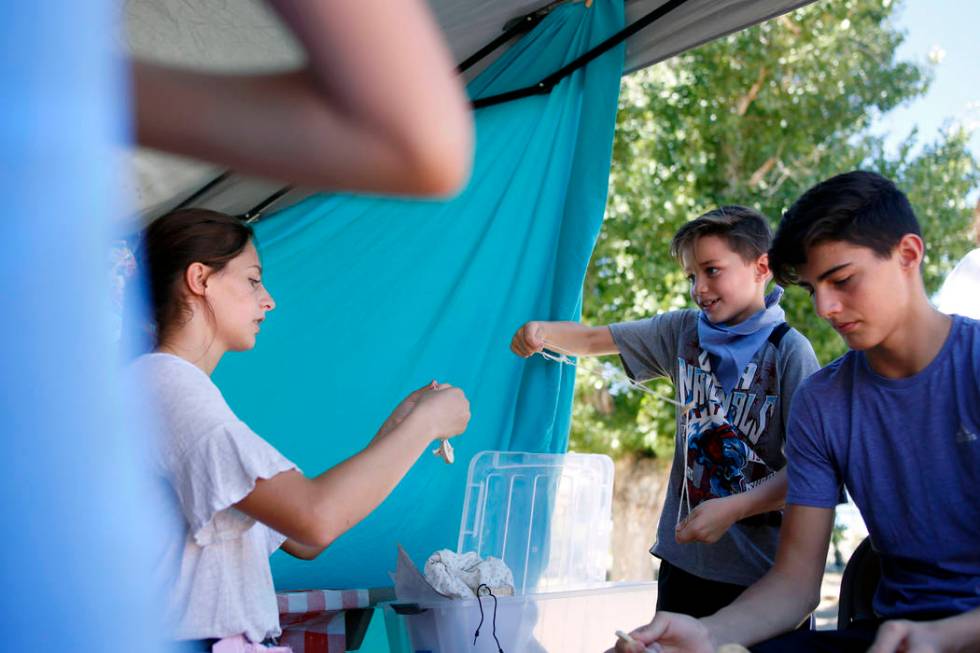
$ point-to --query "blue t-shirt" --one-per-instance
(908, 451)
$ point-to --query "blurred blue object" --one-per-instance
(77, 518)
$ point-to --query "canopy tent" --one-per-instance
(377, 296)
(245, 36)
(81, 529)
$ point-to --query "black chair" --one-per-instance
(858, 585)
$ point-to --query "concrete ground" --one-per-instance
(826, 613)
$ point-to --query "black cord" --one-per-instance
(479, 602)
(494, 630)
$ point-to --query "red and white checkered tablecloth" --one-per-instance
(313, 621)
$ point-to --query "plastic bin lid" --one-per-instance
(548, 516)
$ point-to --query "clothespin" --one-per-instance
(445, 451)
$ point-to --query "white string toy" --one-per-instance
(563, 356)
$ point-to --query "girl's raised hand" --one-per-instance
(445, 408)
(403, 410)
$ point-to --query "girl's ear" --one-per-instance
(196, 278)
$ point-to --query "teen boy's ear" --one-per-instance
(910, 250)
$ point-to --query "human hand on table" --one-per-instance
(668, 633)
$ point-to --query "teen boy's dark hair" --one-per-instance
(862, 208)
(746, 230)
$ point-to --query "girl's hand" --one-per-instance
(709, 520)
(445, 409)
(403, 410)
(528, 340)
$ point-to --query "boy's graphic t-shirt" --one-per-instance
(725, 443)
(722, 432)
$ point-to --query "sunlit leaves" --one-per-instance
(756, 118)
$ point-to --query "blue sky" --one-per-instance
(951, 27)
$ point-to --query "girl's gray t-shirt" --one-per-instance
(723, 444)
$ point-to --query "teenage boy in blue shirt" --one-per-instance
(896, 420)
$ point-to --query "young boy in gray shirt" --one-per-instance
(735, 365)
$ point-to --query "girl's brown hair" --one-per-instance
(176, 240)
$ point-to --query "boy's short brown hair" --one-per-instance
(745, 230)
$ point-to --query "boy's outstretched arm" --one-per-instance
(566, 337)
(776, 604)
(954, 634)
(710, 519)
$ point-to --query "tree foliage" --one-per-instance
(755, 118)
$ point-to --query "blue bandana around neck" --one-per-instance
(732, 347)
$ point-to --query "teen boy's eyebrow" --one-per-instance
(832, 270)
(807, 287)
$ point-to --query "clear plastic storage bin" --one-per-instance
(579, 620)
(549, 517)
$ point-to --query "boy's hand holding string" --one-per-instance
(710, 519)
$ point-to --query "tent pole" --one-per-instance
(203, 190)
(524, 23)
(549, 82)
(254, 213)
(512, 28)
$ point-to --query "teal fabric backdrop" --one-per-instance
(378, 296)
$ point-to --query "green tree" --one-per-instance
(754, 118)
